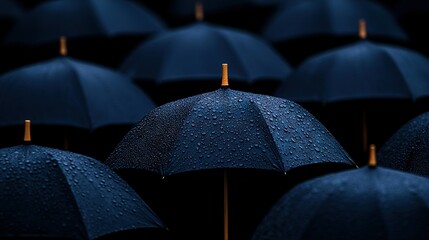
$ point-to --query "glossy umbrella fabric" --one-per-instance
(193, 53)
(407, 148)
(300, 29)
(362, 70)
(84, 18)
(367, 203)
(66, 92)
(227, 129)
(232, 132)
(52, 193)
(357, 90)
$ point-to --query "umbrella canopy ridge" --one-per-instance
(406, 149)
(52, 193)
(67, 92)
(227, 129)
(367, 203)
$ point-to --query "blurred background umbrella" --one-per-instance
(249, 15)
(49, 193)
(408, 148)
(234, 130)
(367, 203)
(181, 62)
(72, 94)
(360, 87)
(299, 29)
(101, 31)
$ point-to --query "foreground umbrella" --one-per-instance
(69, 93)
(366, 80)
(302, 28)
(189, 55)
(58, 194)
(368, 203)
(228, 129)
(407, 149)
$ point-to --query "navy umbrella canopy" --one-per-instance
(366, 203)
(228, 131)
(58, 194)
(88, 18)
(71, 100)
(101, 31)
(191, 54)
(67, 92)
(365, 80)
(407, 148)
(302, 28)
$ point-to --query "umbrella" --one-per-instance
(101, 31)
(365, 80)
(58, 194)
(10, 12)
(367, 203)
(227, 129)
(302, 28)
(252, 14)
(190, 54)
(66, 92)
(407, 148)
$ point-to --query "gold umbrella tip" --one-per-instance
(372, 156)
(27, 132)
(63, 46)
(225, 75)
(199, 11)
(362, 29)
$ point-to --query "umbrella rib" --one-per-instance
(84, 99)
(72, 194)
(229, 44)
(391, 59)
(270, 137)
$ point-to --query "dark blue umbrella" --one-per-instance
(367, 203)
(58, 194)
(302, 28)
(369, 79)
(407, 149)
(191, 54)
(64, 93)
(228, 129)
(101, 31)
(244, 14)
(78, 19)
(67, 92)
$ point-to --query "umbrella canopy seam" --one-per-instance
(72, 193)
(84, 99)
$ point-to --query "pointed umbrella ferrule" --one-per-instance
(63, 46)
(372, 156)
(225, 82)
(362, 29)
(199, 11)
(27, 132)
